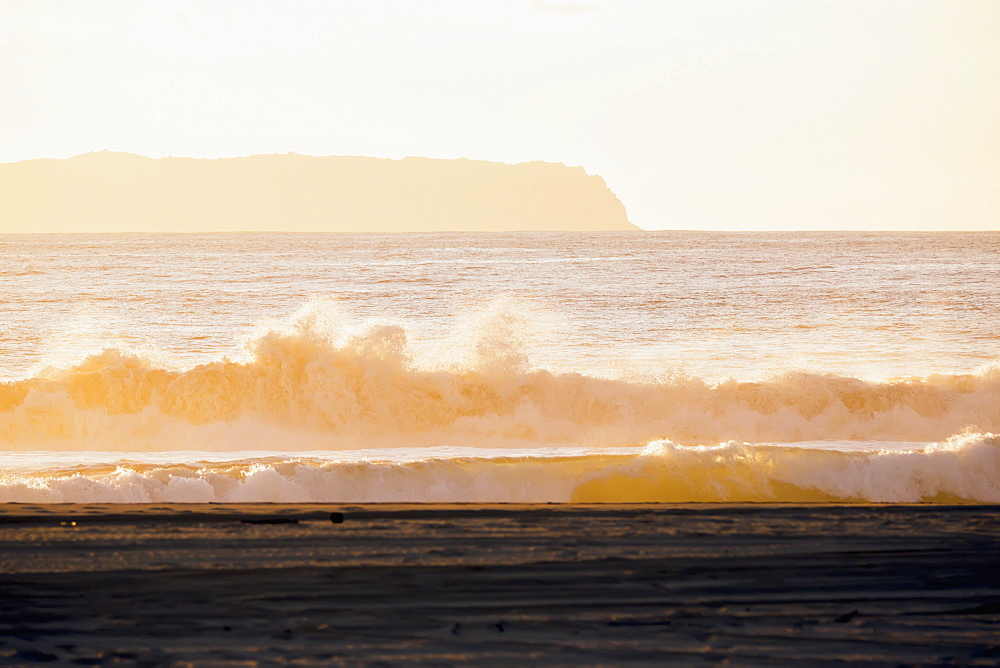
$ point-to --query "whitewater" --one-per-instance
(584, 367)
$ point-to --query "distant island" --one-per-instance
(120, 192)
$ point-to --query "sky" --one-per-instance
(707, 114)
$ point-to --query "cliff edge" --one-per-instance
(120, 192)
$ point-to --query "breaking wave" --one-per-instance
(963, 468)
(302, 390)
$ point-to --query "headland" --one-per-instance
(120, 192)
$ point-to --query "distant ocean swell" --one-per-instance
(301, 391)
(961, 469)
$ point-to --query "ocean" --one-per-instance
(513, 367)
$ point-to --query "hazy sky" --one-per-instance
(699, 114)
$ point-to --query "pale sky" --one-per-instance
(700, 114)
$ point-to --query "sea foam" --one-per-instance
(961, 469)
(301, 390)
(507, 426)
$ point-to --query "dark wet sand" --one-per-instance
(509, 584)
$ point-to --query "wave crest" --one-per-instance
(302, 390)
(964, 468)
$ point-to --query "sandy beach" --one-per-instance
(255, 584)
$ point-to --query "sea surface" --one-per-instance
(633, 366)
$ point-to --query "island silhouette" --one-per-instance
(120, 192)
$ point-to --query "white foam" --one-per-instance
(961, 469)
(303, 390)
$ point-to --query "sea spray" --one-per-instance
(303, 390)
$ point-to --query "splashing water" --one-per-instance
(526, 397)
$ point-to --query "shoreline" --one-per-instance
(498, 583)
